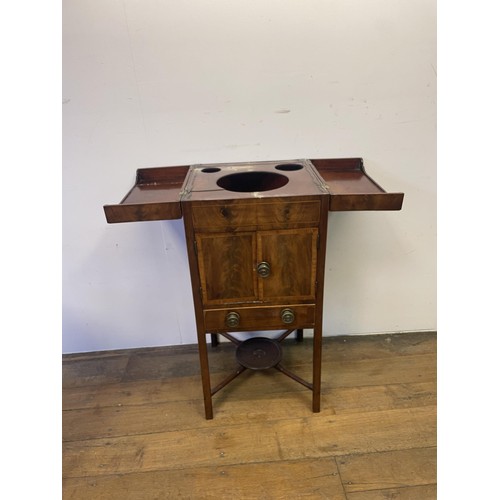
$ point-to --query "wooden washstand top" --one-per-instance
(158, 192)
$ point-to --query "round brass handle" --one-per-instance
(264, 269)
(232, 319)
(287, 316)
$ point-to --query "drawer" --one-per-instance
(260, 318)
(255, 215)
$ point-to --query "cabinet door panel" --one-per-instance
(292, 255)
(226, 267)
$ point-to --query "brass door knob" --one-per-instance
(264, 269)
(232, 319)
(287, 316)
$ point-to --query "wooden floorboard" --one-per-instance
(388, 470)
(310, 478)
(134, 426)
(426, 492)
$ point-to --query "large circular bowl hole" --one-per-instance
(289, 167)
(249, 182)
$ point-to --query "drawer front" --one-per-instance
(260, 318)
(221, 216)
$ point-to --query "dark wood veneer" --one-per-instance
(256, 239)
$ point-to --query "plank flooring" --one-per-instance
(134, 427)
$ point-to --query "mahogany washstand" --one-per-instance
(256, 238)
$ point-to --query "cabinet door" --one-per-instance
(292, 257)
(226, 265)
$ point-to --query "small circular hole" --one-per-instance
(210, 170)
(289, 167)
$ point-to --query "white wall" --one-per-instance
(155, 83)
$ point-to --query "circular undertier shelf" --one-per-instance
(258, 353)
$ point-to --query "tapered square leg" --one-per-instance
(317, 346)
(205, 375)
